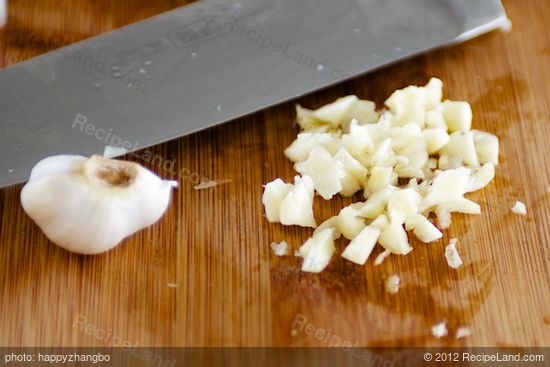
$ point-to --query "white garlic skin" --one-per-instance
(89, 205)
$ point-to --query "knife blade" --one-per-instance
(208, 63)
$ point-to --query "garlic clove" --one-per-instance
(59, 164)
(89, 205)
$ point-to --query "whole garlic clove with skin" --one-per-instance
(89, 205)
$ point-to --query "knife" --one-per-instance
(207, 63)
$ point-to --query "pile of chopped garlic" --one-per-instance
(417, 156)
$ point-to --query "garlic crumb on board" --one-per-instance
(392, 284)
(439, 330)
(463, 332)
(381, 257)
(172, 285)
(89, 205)
(519, 208)
(415, 159)
(208, 184)
(280, 248)
(451, 254)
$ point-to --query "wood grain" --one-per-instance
(212, 246)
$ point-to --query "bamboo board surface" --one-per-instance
(205, 274)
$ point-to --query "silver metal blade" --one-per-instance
(208, 63)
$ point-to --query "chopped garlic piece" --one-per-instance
(332, 224)
(447, 186)
(403, 203)
(274, 194)
(487, 147)
(463, 332)
(458, 116)
(461, 145)
(355, 173)
(481, 177)
(280, 249)
(435, 119)
(434, 92)
(381, 257)
(335, 113)
(380, 177)
(364, 112)
(439, 330)
(208, 184)
(376, 203)
(435, 139)
(349, 222)
(297, 207)
(325, 171)
(452, 255)
(392, 284)
(317, 251)
(519, 208)
(443, 217)
(424, 230)
(408, 105)
(394, 238)
(360, 248)
(300, 148)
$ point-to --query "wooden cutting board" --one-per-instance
(205, 274)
